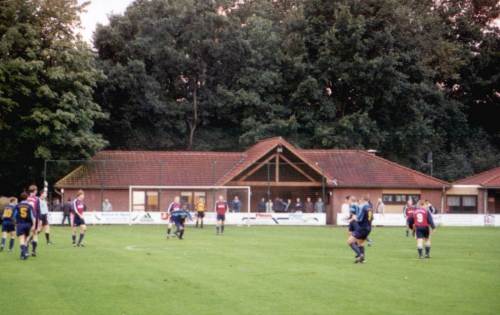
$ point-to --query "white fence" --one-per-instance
(394, 219)
(244, 218)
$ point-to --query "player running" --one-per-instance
(408, 210)
(44, 213)
(34, 201)
(221, 209)
(173, 206)
(364, 226)
(200, 211)
(423, 223)
(25, 220)
(179, 218)
(353, 211)
(8, 224)
(78, 220)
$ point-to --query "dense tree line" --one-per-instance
(404, 77)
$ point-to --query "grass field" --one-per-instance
(256, 270)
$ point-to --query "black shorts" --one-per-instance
(361, 234)
(221, 217)
(200, 214)
(8, 227)
(44, 219)
(409, 223)
(23, 229)
(422, 232)
(77, 221)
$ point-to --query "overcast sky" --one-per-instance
(97, 12)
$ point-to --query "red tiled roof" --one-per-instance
(347, 168)
(488, 179)
(120, 169)
(358, 168)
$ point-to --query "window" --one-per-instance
(138, 201)
(399, 198)
(152, 201)
(145, 200)
(462, 204)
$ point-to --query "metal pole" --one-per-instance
(268, 182)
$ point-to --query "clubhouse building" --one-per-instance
(148, 180)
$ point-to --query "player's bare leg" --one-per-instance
(428, 247)
(169, 229)
(24, 248)
(420, 246)
(73, 234)
(46, 229)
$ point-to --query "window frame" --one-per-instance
(461, 209)
(399, 199)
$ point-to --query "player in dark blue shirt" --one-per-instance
(25, 220)
(364, 226)
(8, 224)
(179, 218)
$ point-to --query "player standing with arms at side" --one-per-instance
(44, 216)
(25, 220)
(78, 221)
(173, 206)
(221, 209)
(423, 222)
(200, 211)
(34, 201)
(357, 240)
(408, 213)
(8, 224)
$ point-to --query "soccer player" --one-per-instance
(34, 201)
(78, 221)
(353, 211)
(173, 206)
(408, 213)
(364, 226)
(221, 209)
(44, 212)
(200, 211)
(25, 220)
(8, 225)
(423, 222)
(179, 218)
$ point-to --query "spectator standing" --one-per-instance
(380, 206)
(236, 204)
(279, 205)
(298, 206)
(106, 205)
(309, 205)
(67, 207)
(56, 205)
(288, 205)
(346, 206)
(261, 206)
(319, 206)
(269, 206)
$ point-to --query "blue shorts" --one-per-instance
(8, 227)
(77, 221)
(353, 226)
(221, 217)
(23, 229)
(422, 232)
(361, 233)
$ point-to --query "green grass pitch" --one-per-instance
(253, 270)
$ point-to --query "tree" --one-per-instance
(185, 57)
(47, 77)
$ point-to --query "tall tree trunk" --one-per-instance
(194, 122)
